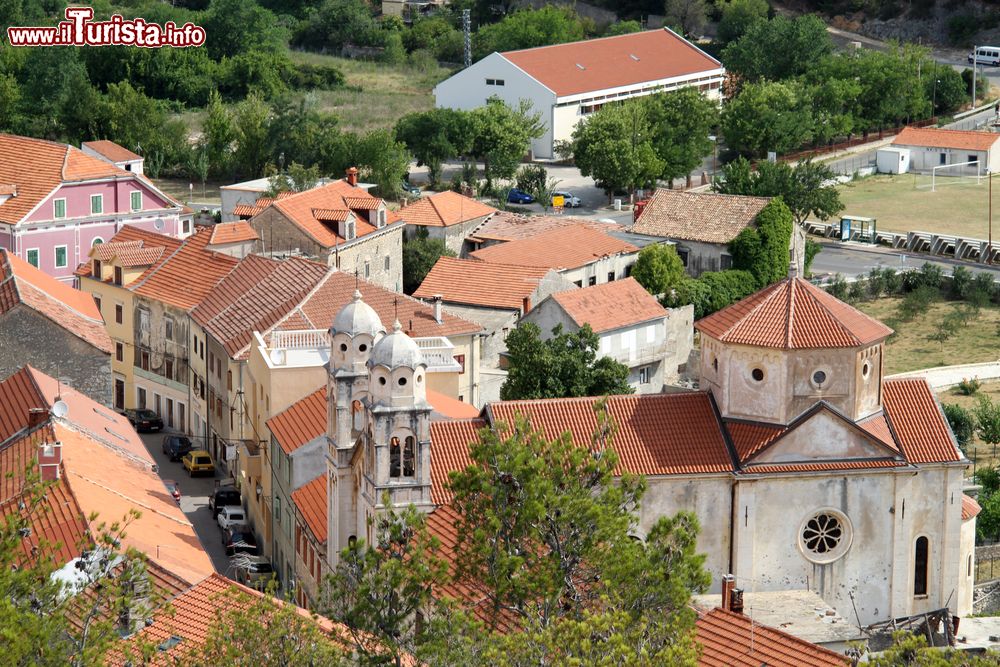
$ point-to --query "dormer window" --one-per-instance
(97, 269)
(351, 230)
(119, 277)
(381, 218)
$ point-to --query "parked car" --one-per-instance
(176, 446)
(239, 542)
(569, 199)
(410, 188)
(143, 420)
(232, 518)
(255, 571)
(225, 496)
(198, 462)
(173, 489)
(516, 196)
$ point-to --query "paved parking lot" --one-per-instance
(194, 502)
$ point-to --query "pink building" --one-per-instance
(56, 202)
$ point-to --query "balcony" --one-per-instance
(439, 354)
(295, 348)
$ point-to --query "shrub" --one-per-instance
(691, 291)
(531, 178)
(929, 275)
(838, 288)
(728, 287)
(961, 283)
(969, 387)
(876, 283)
(893, 281)
(916, 302)
(962, 423)
(858, 290)
(812, 249)
(310, 77)
(961, 28)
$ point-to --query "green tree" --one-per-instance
(778, 49)
(217, 135)
(623, 28)
(501, 136)
(962, 423)
(384, 161)
(420, 254)
(658, 268)
(393, 53)
(435, 136)
(250, 120)
(763, 249)
(681, 122)
(987, 416)
(738, 16)
(565, 364)
(235, 27)
(768, 116)
(687, 16)
(912, 650)
(296, 178)
(531, 177)
(528, 28)
(807, 188)
(615, 147)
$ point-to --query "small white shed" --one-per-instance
(892, 160)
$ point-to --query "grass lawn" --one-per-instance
(178, 189)
(911, 349)
(957, 207)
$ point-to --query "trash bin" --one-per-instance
(618, 204)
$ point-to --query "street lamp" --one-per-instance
(715, 154)
(934, 103)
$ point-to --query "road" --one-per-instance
(853, 259)
(194, 502)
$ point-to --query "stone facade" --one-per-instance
(160, 360)
(453, 235)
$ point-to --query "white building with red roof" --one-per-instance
(567, 82)
(930, 147)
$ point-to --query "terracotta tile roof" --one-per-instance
(608, 306)
(8, 189)
(698, 216)
(331, 214)
(734, 640)
(301, 422)
(132, 237)
(611, 62)
(444, 209)
(450, 451)
(446, 407)
(132, 258)
(41, 166)
(825, 466)
(337, 289)
(311, 499)
(934, 138)
(514, 226)
(750, 437)
(246, 211)
(19, 393)
(232, 232)
(475, 283)
(658, 434)
(970, 508)
(918, 422)
(71, 309)
(187, 275)
(563, 248)
(112, 151)
(878, 426)
(793, 314)
(255, 296)
(365, 202)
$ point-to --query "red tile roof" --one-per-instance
(936, 138)
(514, 226)
(112, 151)
(610, 62)
(156, 248)
(793, 314)
(918, 422)
(698, 216)
(187, 275)
(823, 466)
(301, 422)
(750, 437)
(658, 434)
(562, 248)
(474, 283)
(608, 306)
(254, 297)
(970, 508)
(729, 639)
(71, 309)
(233, 232)
(41, 166)
(444, 209)
(450, 408)
(20, 393)
(311, 499)
(450, 451)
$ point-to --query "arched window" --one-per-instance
(394, 457)
(409, 454)
(358, 411)
(920, 558)
(97, 241)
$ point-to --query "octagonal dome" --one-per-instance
(357, 317)
(396, 350)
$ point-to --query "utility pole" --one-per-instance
(989, 242)
(467, 34)
(975, 66)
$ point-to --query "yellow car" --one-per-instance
(198, 462)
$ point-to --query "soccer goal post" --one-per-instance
(963, 172)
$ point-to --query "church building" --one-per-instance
(807, 469)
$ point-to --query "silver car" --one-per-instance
(569, 199)
(253, 571)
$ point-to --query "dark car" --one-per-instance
(176, 446)
(239, 542)
(224, 497)
(516, 196)
(144, 420)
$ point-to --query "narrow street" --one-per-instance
(194, 501)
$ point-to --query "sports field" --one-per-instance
(905, 203)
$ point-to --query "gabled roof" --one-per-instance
(112, 151)
(450, 451)
(134, 246)
(611, 62)
(36, 167)
(255, 296)
(311, 500)
(918, 422)
(563, 248)
(793, 314)
(444, 209)
(514, 226)
(301, 422)
(233, 232)
(474, 283)
(71, 309)
(608, 306)
(446, 407)
(698, 216)
(729, 639)
(930, 137)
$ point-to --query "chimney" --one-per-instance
(37, 417)
(49, 460)
(728, 584)
(437, 307)
(352, 176)
(736, 600)
(525, 305)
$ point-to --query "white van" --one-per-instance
(986, 55)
